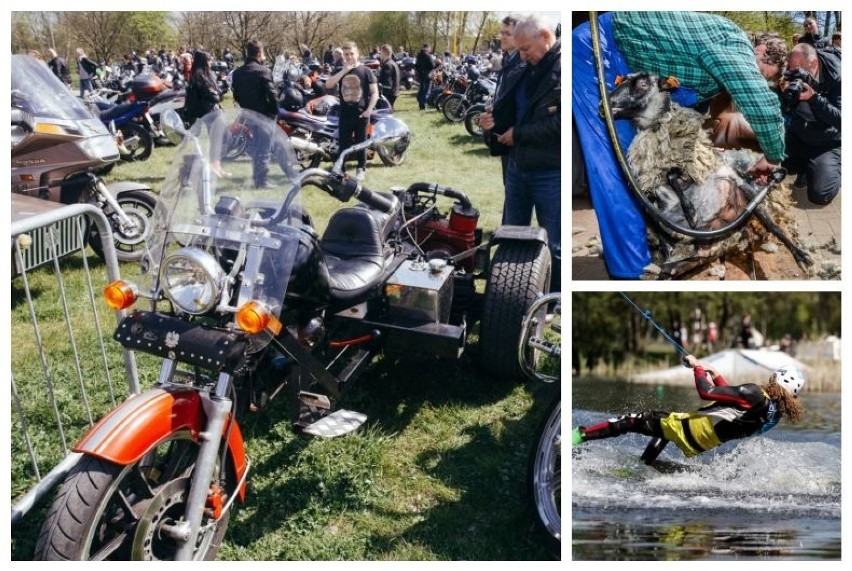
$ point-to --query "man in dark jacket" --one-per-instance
(813, 135)
(59, 68)
(253, 89)
(812, 36)
(388, 75)
(510, 67)
(533, 101)
(423, 65)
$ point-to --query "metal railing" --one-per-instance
(54, 365)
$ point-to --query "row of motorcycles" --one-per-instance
(241, 300)
(130, 103)
(310, 117)
(461, 92)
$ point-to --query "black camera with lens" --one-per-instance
(796, 79)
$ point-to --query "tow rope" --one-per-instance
(647, 315)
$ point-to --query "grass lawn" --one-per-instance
(437, 473)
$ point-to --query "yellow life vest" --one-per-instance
(693, 432)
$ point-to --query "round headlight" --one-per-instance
(192, 280)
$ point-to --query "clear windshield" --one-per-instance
(36, 90)
(240, 224)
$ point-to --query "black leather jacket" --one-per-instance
(537, 134)
(253, 89)
(816, 122)
(389, 78)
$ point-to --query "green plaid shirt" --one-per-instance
(709, 54)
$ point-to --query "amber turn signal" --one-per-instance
(253, 317)
(120, 294)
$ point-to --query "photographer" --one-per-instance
(811, 95)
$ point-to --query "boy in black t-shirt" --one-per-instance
(358, 96)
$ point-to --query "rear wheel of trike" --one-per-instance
(519, 273)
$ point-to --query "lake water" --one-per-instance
(774, 497)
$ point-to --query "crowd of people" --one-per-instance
(713, 56)
(700, 334)
(522, 125)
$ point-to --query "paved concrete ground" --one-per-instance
(817, 225)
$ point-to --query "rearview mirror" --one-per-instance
(172, 126)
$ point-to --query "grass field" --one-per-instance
(437, 473)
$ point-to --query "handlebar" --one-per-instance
(374, 199)
(442, 190)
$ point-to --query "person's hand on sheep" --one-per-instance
(761, 171)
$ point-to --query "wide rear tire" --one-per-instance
(519, 273)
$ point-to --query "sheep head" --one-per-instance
(641, 97)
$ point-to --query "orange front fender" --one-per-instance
(131, 429)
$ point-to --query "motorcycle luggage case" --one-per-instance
(145, 86)
(421, 291)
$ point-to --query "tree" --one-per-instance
(484, 18)
(149, 30)
(102, 34)
(313, 29)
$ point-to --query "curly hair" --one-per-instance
(787, 403)
(776, 49)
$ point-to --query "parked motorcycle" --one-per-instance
(223, 75)
(132, 122)
(471, 119)
(478, 90)
(540, 339)
(407, 73)
(58, 146)
(242, 301)
(313, 131)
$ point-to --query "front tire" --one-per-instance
(544, 478)
(129, 242)
(454, 108)
(141, 149)
(519, 273)
(471, 124)
(234, 145)
(105, 511)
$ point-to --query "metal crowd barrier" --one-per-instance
(42, 235)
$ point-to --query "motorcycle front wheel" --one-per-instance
(544, 478)
(137, 141)
(234, 145)
(454, 108)
(105, 511)
(471, 124)
(129, 243)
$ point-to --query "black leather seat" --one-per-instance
(354, 249)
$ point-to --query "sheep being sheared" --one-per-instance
(673, 160)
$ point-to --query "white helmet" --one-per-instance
(790, 379)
